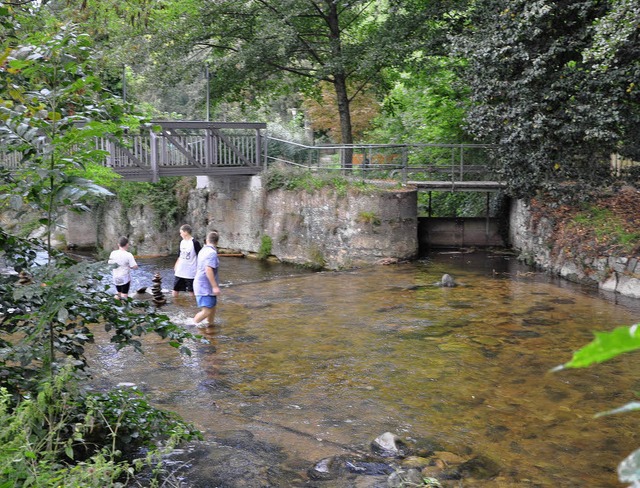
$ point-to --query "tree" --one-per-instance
(51, 107)
(265, 47)
(539, 91)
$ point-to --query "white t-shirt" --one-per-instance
(125, 261)
(186, 265)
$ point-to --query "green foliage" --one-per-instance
(540, 90)
(369, 218)
(259, 51)
(292, 179)
(453, 204)
(125, 416)
(605, 224)
(266, 245)
(46, 323)
(424, 106)
(31, 454)
(51, 108)
(606, 346)
(65, 437)
(165, 197)
(316, 258)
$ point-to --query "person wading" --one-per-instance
(185, 267)
(205, 283)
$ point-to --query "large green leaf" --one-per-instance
(605, 346)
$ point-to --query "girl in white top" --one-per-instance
(122, 273)
(185, 267)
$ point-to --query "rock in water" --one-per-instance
(448, 281)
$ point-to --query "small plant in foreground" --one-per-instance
(605, 346)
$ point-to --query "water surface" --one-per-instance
(322, 363)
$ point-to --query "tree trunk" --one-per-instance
(340, 83)
(345, 120)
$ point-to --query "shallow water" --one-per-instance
(322, 363)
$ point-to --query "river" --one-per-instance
(319, 363)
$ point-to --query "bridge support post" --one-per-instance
(155, 176)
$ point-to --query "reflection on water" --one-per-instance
(317, 361)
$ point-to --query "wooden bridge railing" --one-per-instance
(180, 149)
(199, 148)
(187, 148)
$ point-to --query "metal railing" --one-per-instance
(187, 148)
(404, 162)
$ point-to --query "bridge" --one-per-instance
(199, 148)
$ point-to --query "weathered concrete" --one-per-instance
(322, 229)
(104, 224)
(342, 230)
(443, 232)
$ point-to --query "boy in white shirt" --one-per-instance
(122, 273)
(185, 267)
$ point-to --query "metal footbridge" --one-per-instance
(199, 148)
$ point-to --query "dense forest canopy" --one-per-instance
(554, 85)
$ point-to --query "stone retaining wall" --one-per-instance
(534, 242)
(321, 229)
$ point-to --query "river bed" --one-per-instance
(322, 363)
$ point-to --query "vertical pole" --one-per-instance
(486, 232)
(124, 83)
(258, 147)
(405, 162)
(154, 157)
(206, 74)
(265, 145)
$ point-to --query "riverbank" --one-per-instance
(595, 243)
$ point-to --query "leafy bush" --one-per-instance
(51, 433)
(165, 197)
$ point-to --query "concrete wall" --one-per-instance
(342, 230)
(322, 229)
(443, 232)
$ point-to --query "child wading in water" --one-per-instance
(205, 284)
(122, 273)
(185, 267)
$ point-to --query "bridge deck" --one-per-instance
(480, 186)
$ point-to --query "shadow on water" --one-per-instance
(319, 364)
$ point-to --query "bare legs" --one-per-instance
(206, 313)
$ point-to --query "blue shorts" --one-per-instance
(208, 301)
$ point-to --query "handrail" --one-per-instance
(418, 161)
(384, 145)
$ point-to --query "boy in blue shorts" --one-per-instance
(205, 283)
